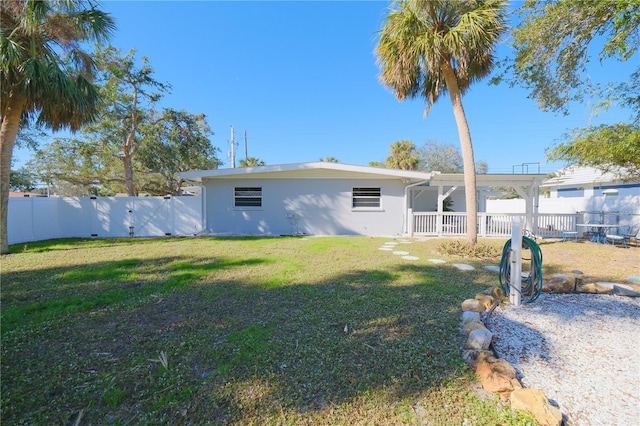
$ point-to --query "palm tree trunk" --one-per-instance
(10, 121)
(468, 161)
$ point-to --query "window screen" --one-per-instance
(366, 197)
(247, 196)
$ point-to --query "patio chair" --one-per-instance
(632, 234)
(616, 237)
(569, 234)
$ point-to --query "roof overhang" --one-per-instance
(326, 170)
(587, 177)
(320, 169)
(510, 180)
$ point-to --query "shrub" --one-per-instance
(464, 249)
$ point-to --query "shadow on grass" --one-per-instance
(216, 342)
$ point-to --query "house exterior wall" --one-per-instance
(311, 206)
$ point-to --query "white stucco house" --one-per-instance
(591, 189)
(322, 198)
(316, 198)
(599, 196)
(585, 193)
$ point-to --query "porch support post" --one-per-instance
(203, 209)
(409, 229)
(408, 206)
(527, 194)
(441, 198)
(536, 207)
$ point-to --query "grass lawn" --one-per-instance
(248, 331)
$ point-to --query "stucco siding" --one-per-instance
(304, 206)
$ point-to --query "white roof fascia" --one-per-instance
(509, 180)
(283, 169)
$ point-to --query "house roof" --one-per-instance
(25, 194)
(322, 169)
(574, 176)
(307, 170)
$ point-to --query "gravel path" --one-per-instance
(582, 350)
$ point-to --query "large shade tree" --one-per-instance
(170, 142)
(428, 48)
(555, 44)
(554, 41)
(45, 74)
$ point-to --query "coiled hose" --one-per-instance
(532, 282)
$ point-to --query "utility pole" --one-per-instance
(245, 146)
(233, 153)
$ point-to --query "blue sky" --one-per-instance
(301, 78)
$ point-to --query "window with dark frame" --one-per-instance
(366, 198)
(247, 196)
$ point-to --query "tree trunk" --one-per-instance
(127, 164)
(468, 161)
(128, 148)
(10, 122)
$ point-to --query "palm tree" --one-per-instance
(330, 160)
(251, 162)
(45, 75)
(403, 156)
(430, 47)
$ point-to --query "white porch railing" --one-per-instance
(489, 224)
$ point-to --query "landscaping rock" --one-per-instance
(498, 376)
(474, 356)
(472, 305)
(479, 339)
(469, 326)
(486, 301)
(558, 284)
(470, 315)
(497, 292)
(625, 290)
(598, 288)
(535, 402)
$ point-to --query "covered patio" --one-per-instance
(427, 216)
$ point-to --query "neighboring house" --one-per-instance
(598, 194)
(586, 192)
(25, 194)
(591, 185)
(323, 198)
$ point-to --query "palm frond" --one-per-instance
(420, 36)
(43, 58)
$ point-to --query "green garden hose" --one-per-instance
(531, 280)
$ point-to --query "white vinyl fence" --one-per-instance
(40, 218)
